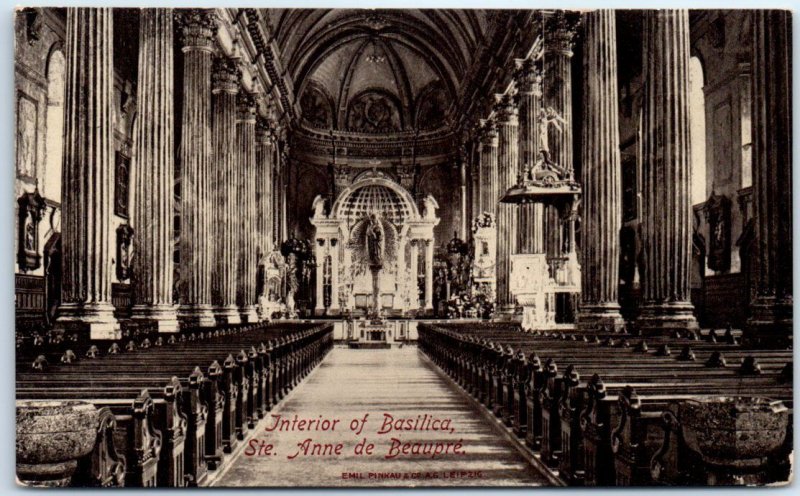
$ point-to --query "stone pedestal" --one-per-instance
(533, 289)
(51, 437)
(602, 200)
(87, 190)
(153, 186)
(666, 170)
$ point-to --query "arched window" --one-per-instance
(697, 125)
(50, 180)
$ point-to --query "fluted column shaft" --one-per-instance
(319, 306)
(246, 179)
(263, 196)
(475, 178)
(507, 168)
(601, 176)
(667, 208)
(462, 177)
(196, 247)
(414, 264)
(225, 88)
(488, 169)
(557, 94)
(154, 173)
(771, 310)
(88, 174)
(530, 235)
(428, 274)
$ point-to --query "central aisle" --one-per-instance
(398, 381)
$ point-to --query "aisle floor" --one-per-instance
(401, 382)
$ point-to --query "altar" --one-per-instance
(348, 280)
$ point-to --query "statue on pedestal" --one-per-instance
(376, 236)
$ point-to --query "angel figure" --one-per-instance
(319, 207)
(548, 117)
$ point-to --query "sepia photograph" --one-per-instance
(340, 247)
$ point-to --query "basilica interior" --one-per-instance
(294, 183)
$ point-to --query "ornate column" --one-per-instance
(263, 196)
(319, 249)
(225, 86)
(488, 168)
(560, 29)
(198, 27)
(428, 274)
(334, 244)
(284, 174)
(601, 176)
(462, 177)
(154, 166)
(265, 154)
(246, 207)
(88, 175)
(276, 198)
(770, 321)
(666, 199)
(530, 235)
(475, 176)
(507, 168)
(414, 263)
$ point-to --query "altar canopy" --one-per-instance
(374, 221)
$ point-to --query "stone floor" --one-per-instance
(400, 382)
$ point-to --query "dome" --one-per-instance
(372, 197)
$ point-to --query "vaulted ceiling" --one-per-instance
(379, 70)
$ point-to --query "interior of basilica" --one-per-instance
(575, 226)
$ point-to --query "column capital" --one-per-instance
(197, 28)
(264, 131)
(561, 27)
(225, 76)
(528, 77)
(246, 105)
(505, 108)
(488, 132)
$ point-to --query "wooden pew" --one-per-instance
(501, 367)
(132, 370)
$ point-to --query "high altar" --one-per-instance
(345, 279)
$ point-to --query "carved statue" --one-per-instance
(319, 207)
(429, 207)
(548, 117)
(375, 240)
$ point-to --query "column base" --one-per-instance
(661, 319)
(249, 314)
(227, 315)
(594, 318)
(196, 316)
(95, 319)
(770, 324)
(160, 318)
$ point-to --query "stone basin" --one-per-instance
(734, 431)
(51, 437)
